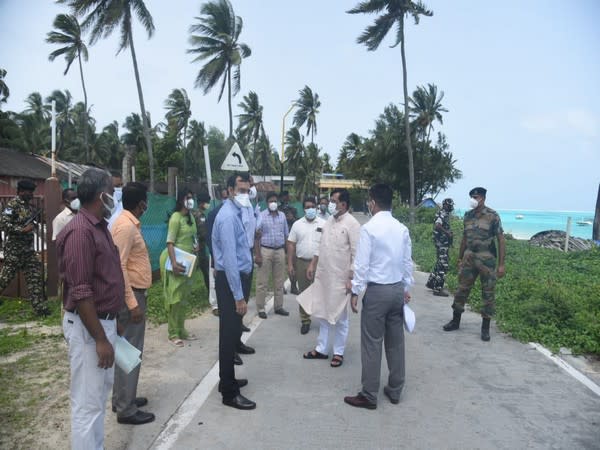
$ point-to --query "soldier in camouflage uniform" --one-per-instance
(442, 238)
(477, 257)
(16, 221)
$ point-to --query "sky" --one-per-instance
(521, 81)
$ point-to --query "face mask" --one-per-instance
(109, 206)
(310, 213)
(252, 193)
(473, 203)
(332, 208)
(242, 200)
(75, 205)
(189, 203)
(323, 208)
(273, 206)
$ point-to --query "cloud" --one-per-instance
(571, 121)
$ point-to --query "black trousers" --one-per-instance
(246, 286)
(230, 328)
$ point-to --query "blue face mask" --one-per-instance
(310, 213)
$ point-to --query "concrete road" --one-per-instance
(460, 393)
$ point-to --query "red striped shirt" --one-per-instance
(89, 264)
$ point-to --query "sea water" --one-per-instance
(523, 224)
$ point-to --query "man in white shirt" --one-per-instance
(302, 241)
(323, 212)
(383, 266)
(71, 206)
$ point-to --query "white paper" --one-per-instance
(184, 258)
(409, 319)
(127, 357)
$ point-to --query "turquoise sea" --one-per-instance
(523, 224)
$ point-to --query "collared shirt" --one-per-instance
(230, 246)
(323, 215)
(250, 222)
(274, 229)
(306, 235)
(384, 254)
(89, 264)
(135, 260)
(59, 222)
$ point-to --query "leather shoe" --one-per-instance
(139, 418)
(305, 328)
(244, 349)
(282, 312)
(139, 402)
(262, 314)
(245, 329)
(360, 401)
(239, 402)
(237, 360)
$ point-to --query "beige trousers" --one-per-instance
(273, 265)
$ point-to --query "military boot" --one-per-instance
(454, 324)
(485, 330)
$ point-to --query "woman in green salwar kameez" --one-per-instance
(177, 288)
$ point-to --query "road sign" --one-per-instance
(235, 160)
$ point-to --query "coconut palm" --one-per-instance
(179, 112)
(251, 125)
(295, 150)
(308, 107)
(264, 157)
(64, 107)
(426, 107)
(215, 37)
(393, 13)
(4, 91)
(197, 133)
(103, 16)
(36, 107)
(68, 35)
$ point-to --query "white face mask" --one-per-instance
(75, 205)
(310, 213)
(189, 203)
(109, 206)
(273, 206)
(252, 193)
(242, 200)
(473, 203)
(332, 208)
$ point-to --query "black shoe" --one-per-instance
(282, 312)
(305, 328)
(262, 314)
(139, 418)
(441, 293)
(139, 402)
(241, 382)
(245, 329)
(43, 312)
(359, 401)
(244, 349)
(454, 324)
(239, 402)
(237, 360)
(485, 330)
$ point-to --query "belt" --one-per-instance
(101, 315)
(371, 283)
(305, 259)
(272, 248)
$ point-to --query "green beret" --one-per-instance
(26, 185)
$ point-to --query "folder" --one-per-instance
(184, 258)
(127, 357)
(409, 319)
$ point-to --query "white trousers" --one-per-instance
(90, 385)
(339, 332)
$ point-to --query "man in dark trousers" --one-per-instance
(233, 265)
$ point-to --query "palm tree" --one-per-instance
(395, 11)
(197, 134)
(427, 107)
(264, 156)
(308, 107)
(106, 15)
(68, 35)
(179, 112)
(217, 37)
(251, 124)
(295, 150)
(64, 107)
(4, 91)
(36, 107)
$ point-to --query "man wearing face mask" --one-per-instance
(94, 292)
(270, 256)
(71, 206)
(18, 222)
(323, 212)
(477, 257)
(135, 262)
(442, 238)
(301, 245)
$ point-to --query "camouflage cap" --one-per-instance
(478, 191)
(448, 202)
(26, 185)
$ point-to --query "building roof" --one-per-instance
(22, 165)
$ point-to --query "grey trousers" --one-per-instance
(381, 320)
(125, 386)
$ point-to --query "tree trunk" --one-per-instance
(411, 166)
(229, 98)
(184, 151)
(85, 108)
(145, 124)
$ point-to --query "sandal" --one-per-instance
(313, 354)
(337, 360)
(176, 342)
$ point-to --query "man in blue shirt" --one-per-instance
(233, 266)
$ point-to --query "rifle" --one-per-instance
(34, 216)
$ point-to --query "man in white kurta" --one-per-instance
(328, 297)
